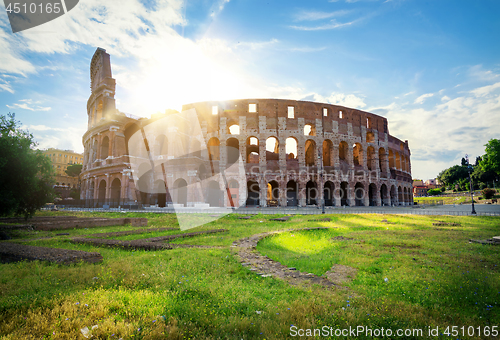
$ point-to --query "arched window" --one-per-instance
(272, 149)
(252, 150)
(105, 148)
(310, 149)
(357, 153)
(291, 148)
(327, 152)
(213, 146)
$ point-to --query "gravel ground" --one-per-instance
(11, 252)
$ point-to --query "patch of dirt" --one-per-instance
(130, 232)
(281, 219)
(340, 274)
(402, 246)
(326, 219)
(152, 243)
(341, 238)
(446, 223)
(12, 252)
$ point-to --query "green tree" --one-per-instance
(26, 174)
(491, 160)
(453, 175)
(74, 170)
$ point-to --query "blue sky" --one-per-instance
(432, 68)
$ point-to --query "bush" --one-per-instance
(433, 192)
(443, 189)
(488, 193)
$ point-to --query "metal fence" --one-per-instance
(406, 210)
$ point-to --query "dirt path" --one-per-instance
(249, 257)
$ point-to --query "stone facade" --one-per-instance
(265, 152)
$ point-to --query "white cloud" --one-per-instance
(349, 100)
(422, 98)
(441, 134)
(28, 104)
(330, 26)
(316, 15)
(485, 90)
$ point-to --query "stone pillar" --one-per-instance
(108, 187)
(350, 195)
(301, 193)
(263, 191)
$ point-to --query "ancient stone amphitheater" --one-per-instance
(251, 152)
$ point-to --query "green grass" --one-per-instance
(435, 277)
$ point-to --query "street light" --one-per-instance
(470, 168)
(320, 161)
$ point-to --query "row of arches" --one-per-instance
(334, 194)
(375, 158)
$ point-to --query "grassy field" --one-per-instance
(410, 275)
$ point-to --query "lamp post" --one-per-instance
(320, 161)
(469, 167)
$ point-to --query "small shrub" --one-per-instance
(488, 193)
(443, 189)
(433, 192)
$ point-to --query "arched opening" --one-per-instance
(372, 195)
(203, 173)
(273, 194)
(328, 193)
(311, 193)
(383, 195)
(359, 194)
(370, 137)
(403, 163)
(180, 192)
(102, 193)
(213, 147)
(370, 158)
(234, 129)
(327, 152)
(233, 151)
(343, 150)
(400, 195)
(344, 194)
(393, 195)
(357, 153)
(161, 146)
(292, 161)
(145, 182)
(161, 193)
(309, 130)
(98, 115)
(105, 148)
(405, 195)
(291, 148)
(214, 194)
(398, 161)
(252, 150)
(310, 149)
(116, 187)
(272, 149)
(391, 159)
(234, 191)
(253, 193)
(382, 159)
(291, 193)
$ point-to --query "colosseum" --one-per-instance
(235, 153)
